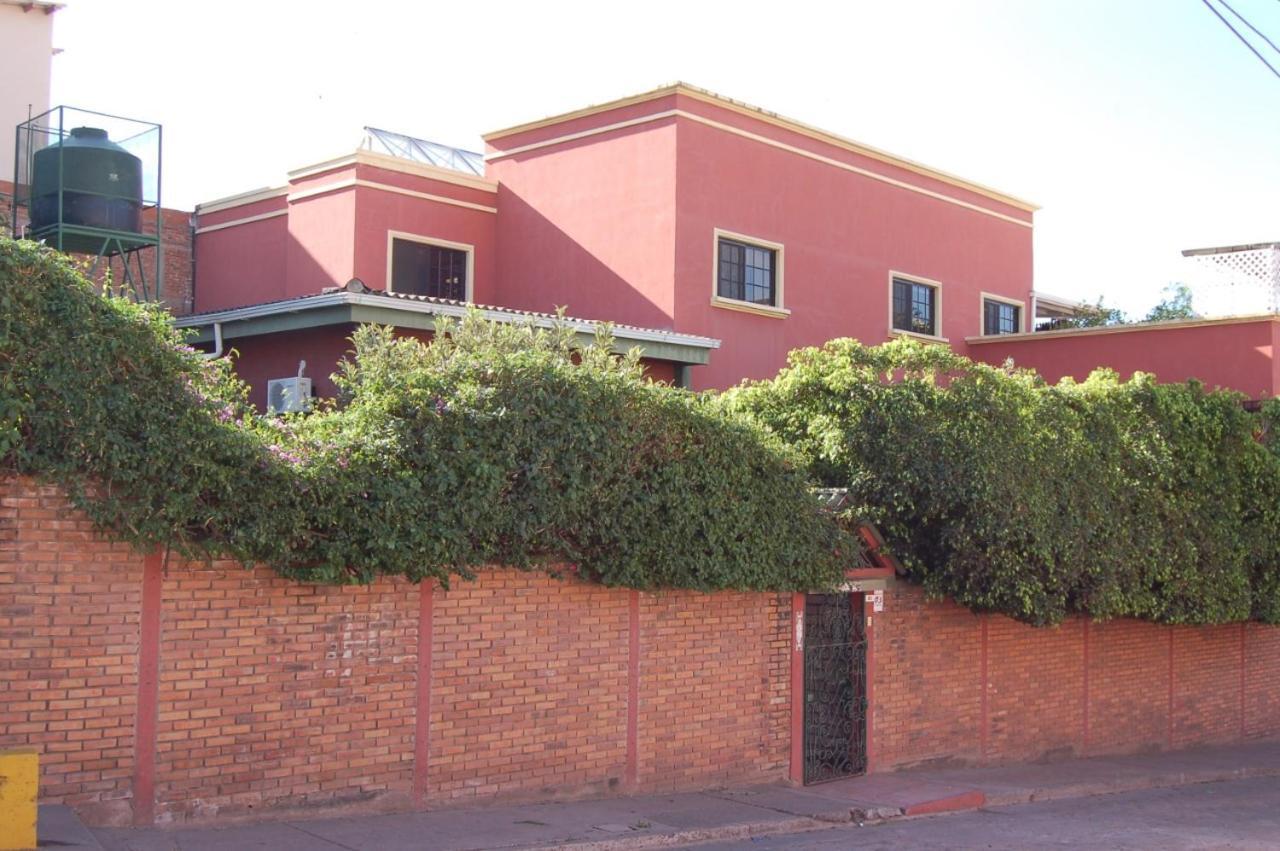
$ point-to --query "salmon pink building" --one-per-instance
(716, 235)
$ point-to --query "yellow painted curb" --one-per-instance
(19, 784)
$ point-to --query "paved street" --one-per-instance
(1242, 814)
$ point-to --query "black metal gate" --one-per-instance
(835, 687)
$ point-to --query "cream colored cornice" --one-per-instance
(780, 121)
(403, 166)
(253, 196)
(1172, 325)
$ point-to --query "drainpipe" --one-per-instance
(217, 343)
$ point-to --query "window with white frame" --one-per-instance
(915, 307)
(1000, 317)
(747, 272)
(431, 269)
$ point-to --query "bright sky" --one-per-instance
(1141, 127)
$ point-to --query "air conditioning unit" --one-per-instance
(288, 395)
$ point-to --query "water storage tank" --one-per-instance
(101, 183)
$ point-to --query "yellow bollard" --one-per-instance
(19, 781)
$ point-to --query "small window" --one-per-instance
(420, 268)
(1000, 317)
(915, 307)
(747, 273)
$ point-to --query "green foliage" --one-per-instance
(1092, 316)
(495, 444)
(1175, 305)
(1103, 497)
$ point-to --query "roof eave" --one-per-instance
(357, 308)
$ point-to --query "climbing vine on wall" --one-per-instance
(497, 444)
(1107, 497)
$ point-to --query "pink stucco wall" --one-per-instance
(619, 225)
(379, 212)
(244, 263)
(842, 232)
(1238, 355)
(590, 226)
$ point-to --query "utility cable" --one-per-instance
(1243, 40)
(1245, 21)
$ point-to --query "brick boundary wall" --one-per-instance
(187, 691)
(954, 687)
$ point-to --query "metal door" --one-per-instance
(835, 687)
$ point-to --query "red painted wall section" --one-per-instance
(842, 233)
(321, 248)
(379, 212)
(1236, 355)
(590, 226)
(241, 265)
(260, 359)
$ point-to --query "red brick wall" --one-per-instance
(274, 695)
(528, 687)
(1035, 682)
(1262, 681)
(928, 692)
(1128, 687)
(1070, 690)
(278, 694)
(702, 654)
(68, 650)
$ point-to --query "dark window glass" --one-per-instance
(999, 317)
(430, 270)
(746, 273)
(915, 307)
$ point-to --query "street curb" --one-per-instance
(963, 802)
(742, 830)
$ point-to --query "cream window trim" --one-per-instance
(422, 239)
(937, 336)
(748, 307)
(778, 309)
(985, 297)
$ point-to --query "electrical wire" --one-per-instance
(1243, 40)
(1259, 33)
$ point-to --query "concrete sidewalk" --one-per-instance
(665, 820)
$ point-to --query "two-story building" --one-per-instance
(715, 235)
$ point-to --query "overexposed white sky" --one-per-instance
(1141, 127)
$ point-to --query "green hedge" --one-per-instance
(1111, 498)
(496, 444)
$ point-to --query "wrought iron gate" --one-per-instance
(835, 687)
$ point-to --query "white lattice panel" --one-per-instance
(1234, 282)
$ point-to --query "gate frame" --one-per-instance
(858, 581)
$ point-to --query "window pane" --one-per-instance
(745, 272)
(1000, 318)
(428, 270)
(922, 319)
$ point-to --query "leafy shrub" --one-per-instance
(494, 444)
(1104, 497)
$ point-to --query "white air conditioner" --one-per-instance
(287, 395)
